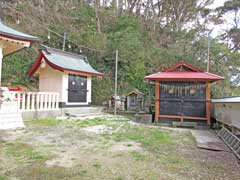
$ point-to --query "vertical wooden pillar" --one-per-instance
(181, 119)
(157, 102)
(1, 58)
(208, 102)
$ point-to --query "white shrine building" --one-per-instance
(66, 73)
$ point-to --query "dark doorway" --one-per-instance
(183, 99)
(77, 88)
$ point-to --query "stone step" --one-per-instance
(86, 114)
(83, 110)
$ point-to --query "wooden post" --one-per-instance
(28, 100)
(41, 101)
(208, 54)
(181, 119)
(18, 100)
(57, 100)
(1, 58)
(64, 40)
(50, 100)
(157, 102)
(24, 101)
(115, 89)
(37, 101)
(149, 98)
(33, 101)
(208, 102)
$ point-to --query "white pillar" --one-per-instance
(1, 58)
(89, 89)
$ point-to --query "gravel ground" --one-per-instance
(108, 148)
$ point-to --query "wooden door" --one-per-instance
(183, 99)
(77, 88)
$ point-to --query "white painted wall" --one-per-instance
(64, 88)
(89, 89)
(50, 80)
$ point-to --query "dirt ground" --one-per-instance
(108, 148)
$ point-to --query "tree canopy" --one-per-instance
(149, 35)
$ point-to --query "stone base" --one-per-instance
(30, 115)
(10, 117)
(11, 120)
(79, 111)
(143, 118)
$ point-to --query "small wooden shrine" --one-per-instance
(182, 92)
(134, 100)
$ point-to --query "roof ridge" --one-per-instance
(14, 33)
(182, 63)
(47, 48)
(63, 63)
(213, 74)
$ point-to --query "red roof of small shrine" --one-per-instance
(183, 72)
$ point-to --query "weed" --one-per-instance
(23, 152)
(3, 178)
(44, 122)
(138, 156)
(97, 165)
(143, 135)
(97, 121)
(119, 178)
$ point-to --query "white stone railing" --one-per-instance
(36, 101)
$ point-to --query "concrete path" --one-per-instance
(208, 140)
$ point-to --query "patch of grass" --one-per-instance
(97, 121)
(129, 116)
(97, 165)
(119, 178)
(23, 152)
(3, 178)
(44, 122)
(138, 156)
(171, 159)
(40, 171)
(83, 172)
(144, 135)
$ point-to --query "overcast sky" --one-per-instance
(218, 29)
(217, 3)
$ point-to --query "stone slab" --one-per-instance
(208, 140)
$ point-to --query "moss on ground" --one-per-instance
(3, 178)
(97, 121)
(23, 153)
(44, 122)
(143, 135)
